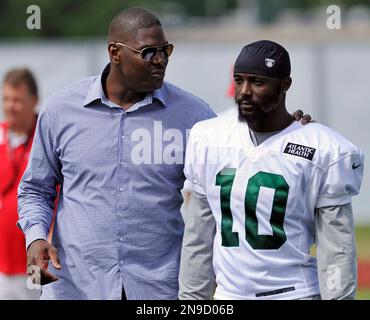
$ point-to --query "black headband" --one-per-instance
(264, 58)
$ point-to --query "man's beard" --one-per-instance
(251, 118)
(261, 111)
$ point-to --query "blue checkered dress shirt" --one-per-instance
(118, 221)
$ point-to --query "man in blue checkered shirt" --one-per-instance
(115, 143)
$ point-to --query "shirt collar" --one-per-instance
(96, 91)
(160, 95)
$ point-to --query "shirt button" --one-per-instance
(121, 189)
(121, 239)
(120, 214)
(121, 163)
(121, 262)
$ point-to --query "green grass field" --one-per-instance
(363, 294)
(363, 253)
(363, 242)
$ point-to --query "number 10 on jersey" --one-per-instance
(225, 179)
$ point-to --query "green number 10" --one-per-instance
(225, 179)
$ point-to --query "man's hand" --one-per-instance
(38, 255)
(299, 115)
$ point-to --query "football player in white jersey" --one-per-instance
(265, 188)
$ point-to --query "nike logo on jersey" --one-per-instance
(300, 151)
(354, 166)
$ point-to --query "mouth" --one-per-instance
(246, 106)
(158, 73)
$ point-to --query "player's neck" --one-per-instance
(272, 122)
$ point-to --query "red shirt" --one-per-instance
(12, 241)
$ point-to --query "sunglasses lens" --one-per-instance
(148, 53)
(167, 49)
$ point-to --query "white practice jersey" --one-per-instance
(263, 199)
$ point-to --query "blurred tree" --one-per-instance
(64, 17)
(89, 17)
(208, 7)
(305, 4)
(270, 9)
(92, 17)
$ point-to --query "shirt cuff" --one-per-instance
(36, 232)
(328, 202)
(198, 188)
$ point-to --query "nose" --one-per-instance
(160, 58)
(245, 89)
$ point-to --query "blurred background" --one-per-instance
(330, 56)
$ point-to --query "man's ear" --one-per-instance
(114, 53)
(285, 84)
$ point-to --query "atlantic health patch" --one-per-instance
(300, 151)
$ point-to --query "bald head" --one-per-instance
(126, 24)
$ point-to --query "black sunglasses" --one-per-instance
(148, 53)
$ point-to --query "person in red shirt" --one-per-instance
(19, 97)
